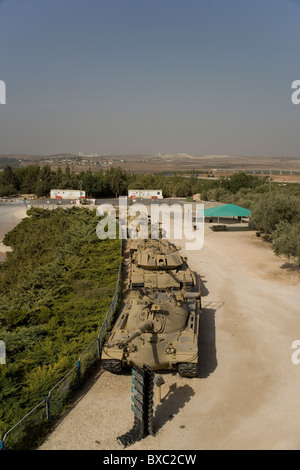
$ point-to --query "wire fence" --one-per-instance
(13, 201)
(27, 432)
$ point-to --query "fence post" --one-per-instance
(98, 347)
(48, 408)
(78, 373)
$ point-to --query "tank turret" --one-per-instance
(157, 264)
(157, 328)
(142, 329)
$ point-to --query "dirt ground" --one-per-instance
(10, 216)
(247, 394)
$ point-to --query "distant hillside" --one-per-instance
(147, 163)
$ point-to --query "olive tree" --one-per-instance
(275, 207)
(286, 240)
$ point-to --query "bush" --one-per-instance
(275, 207)
(55, 289)
(286, 240)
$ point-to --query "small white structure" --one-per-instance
(66, 194)
(145, 194)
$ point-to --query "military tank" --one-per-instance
(159, 323)
(157, 264)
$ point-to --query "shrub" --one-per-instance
(55, 289)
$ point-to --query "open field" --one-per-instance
(247, 393)
(279, 168)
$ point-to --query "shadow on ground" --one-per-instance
(203, 288)
(207, 342)
(292, 267)
(171, 404)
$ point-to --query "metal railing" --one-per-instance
(29, 431)
(12, 201)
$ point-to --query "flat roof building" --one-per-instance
(66, 194)
(145, 194)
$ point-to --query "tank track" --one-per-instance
(186, 369)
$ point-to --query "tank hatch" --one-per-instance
(158, 261)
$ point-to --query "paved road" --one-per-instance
(114, 201)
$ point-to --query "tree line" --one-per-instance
(39, 180)
(275, 209)
(274, 206)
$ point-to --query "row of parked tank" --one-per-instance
(158, 324)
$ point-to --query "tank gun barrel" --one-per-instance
(142, 329)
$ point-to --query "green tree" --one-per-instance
(183, 188)
(204, 195)
(29, 176)
(241, 180)
(44, 185)
(117, 180)
(286, 240)
(9, 181)
(275, 207)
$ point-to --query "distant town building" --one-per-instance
(66, 194)
(145, 194)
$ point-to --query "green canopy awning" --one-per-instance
(226, 210)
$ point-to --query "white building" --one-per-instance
(145, 194)
(66, 194)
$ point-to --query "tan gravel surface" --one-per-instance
(247, 395)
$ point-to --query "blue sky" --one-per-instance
(149, 76)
